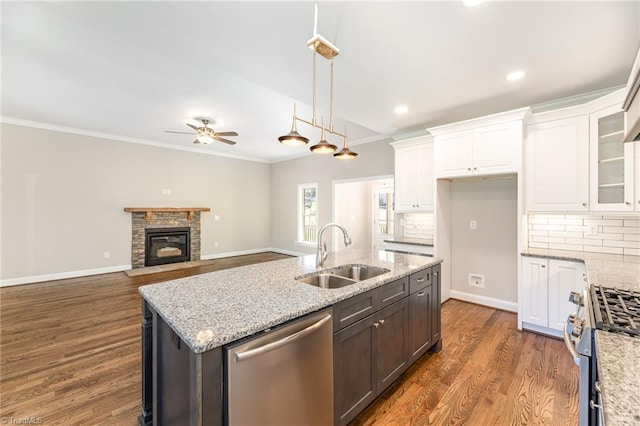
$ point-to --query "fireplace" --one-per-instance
(166, 245)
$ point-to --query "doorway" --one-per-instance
(356, 207)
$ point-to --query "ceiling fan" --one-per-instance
(206, 134)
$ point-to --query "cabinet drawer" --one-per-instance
(419, 280)
(353, 309)
(392, 292)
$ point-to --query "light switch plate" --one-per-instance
(592, 229)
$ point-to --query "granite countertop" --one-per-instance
(618, 355)
(413, 241)
(210, 310)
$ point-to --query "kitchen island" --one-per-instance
(618, 367)
(207, 311)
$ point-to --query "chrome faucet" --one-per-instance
(322, 253)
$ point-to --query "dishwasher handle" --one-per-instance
(240, 356)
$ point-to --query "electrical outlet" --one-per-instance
(166, 192)
(215, 244)
(216, 217)
(592, 229)
(106, 254)
(476, 280)
(473, 224)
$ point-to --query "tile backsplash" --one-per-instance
(614, 234)
(418, 225)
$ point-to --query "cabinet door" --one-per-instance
(424, 180)
(452, 154)
(420, 316)
(392, 343)
(611, 162)
(564, 277)
(534, 303)
(435, 300)
(404, 179)
(557, 165)
(354, 361)
(495, 148)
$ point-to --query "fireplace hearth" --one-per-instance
(166, 245)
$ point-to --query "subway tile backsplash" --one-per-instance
(615, 234)
(419, 225)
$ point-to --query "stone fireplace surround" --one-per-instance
(169, 217)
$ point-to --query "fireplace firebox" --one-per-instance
(167, 245)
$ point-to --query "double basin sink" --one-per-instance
(342, 276)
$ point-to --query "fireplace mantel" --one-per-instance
(149, 211)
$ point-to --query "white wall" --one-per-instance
(354, 210)
(374, 159)
(63, 197)
(491, 249)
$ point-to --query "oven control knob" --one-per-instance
(576, 298)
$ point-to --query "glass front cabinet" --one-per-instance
(611, 162)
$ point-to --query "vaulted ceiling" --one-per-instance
(130, 70)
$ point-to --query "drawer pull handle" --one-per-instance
(376, 324)
(381, 322)
(420, 280)
(421, 293)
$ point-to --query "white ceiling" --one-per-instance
(131, 70)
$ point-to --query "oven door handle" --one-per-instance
(569, 344)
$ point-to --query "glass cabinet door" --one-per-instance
(611, 162)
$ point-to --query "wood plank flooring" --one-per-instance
(70, 354)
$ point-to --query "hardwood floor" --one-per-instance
(70, 354)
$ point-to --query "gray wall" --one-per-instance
(63, 197)
(374, 159)
(353, 209)
(491, 249)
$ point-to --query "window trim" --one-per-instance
(300, 213)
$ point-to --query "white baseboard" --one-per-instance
(484, 300)
(119, 268)
(542, 330)
(62, 275)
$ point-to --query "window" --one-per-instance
(307, 213)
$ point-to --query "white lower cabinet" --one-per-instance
(546, 285)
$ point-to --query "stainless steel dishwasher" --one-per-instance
(283, 376)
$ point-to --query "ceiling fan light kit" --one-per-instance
(205, 134)
(326, 49)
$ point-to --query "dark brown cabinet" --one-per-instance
(392, 343)
(368, 356)
(420, 322)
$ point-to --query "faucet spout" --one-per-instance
(322, 253)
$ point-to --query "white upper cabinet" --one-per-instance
(414, 179)
(612, 175)
(557, 165)
(481, 147)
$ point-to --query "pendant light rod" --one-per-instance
(331, 97)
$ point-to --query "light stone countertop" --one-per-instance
(210, 310)
(618, 355)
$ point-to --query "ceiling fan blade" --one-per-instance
(226, 133)
(192, 126)
(227, 141)
(180, 133)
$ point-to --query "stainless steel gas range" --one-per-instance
(599, 308)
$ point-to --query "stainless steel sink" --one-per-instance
(357, 272)
(324, 280)
(342, 276)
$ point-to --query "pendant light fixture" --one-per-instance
(326, 49)
(345, 153)
(323, 147)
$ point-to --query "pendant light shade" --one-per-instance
(293, 138)
(323, 147)
(345, 153)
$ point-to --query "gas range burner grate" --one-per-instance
(617, 310)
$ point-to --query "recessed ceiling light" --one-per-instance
(472, 3)
(515, 75)
(401, 109)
